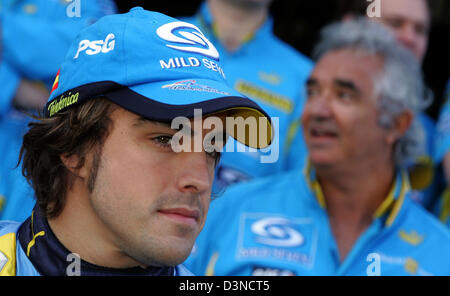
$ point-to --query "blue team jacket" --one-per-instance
(273, 74)
(279, 226)
(442, 146)
(34, 38)
(31, 249)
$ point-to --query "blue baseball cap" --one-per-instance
(152, 65)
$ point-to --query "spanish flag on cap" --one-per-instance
(55, 84)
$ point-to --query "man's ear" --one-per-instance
(401, 125)
(74, 164)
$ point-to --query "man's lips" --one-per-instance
(322, 132)
(182, 215)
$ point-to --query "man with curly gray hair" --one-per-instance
(398, 83)
(350, 213)
(409, 21)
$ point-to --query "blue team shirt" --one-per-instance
(273, 74)
(32, 249)
(279, 226)
(35, 35)
(442, 146)
(424, 177)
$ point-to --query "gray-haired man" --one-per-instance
(350, 212)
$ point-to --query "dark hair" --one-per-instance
(353, 7)
(71, 132)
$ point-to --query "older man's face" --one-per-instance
(340, 119)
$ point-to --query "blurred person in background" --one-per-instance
(442, 156)
(409, 21)
(34, 38)
(260, 66)
(349, 211)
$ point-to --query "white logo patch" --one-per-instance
(96, 46)
(276, 232)
(188, 41)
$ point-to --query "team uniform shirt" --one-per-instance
(279, 226)
(425, 180)
(442, 207)
(32, 249)
(35, 36)
(16, 202)
(442, 146)
(273, 74)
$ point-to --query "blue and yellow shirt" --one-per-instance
(32, 249)
(279, 226)
(442, 147)
(273, 74)
(425, 179)
(34, 38)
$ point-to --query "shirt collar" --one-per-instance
(389, 208)
(50, 257)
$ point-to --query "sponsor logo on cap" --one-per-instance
(187, 38)
(192, 85)
(96, 46)
(63, 102)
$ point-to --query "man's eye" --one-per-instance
(345, 95)
(394, 23)
(310, 92)
(163, 141)
(421, 30)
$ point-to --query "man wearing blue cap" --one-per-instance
(350, 211)
(113, 195)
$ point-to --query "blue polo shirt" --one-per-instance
(273, 74)
(425, 179)
(442, 146)
(35, 35)
(32, 249)
(279, 226)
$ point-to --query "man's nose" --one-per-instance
(320, 106)
(408, 37)
(195, 173)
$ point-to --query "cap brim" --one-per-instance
(164, 101)
(237, 109)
